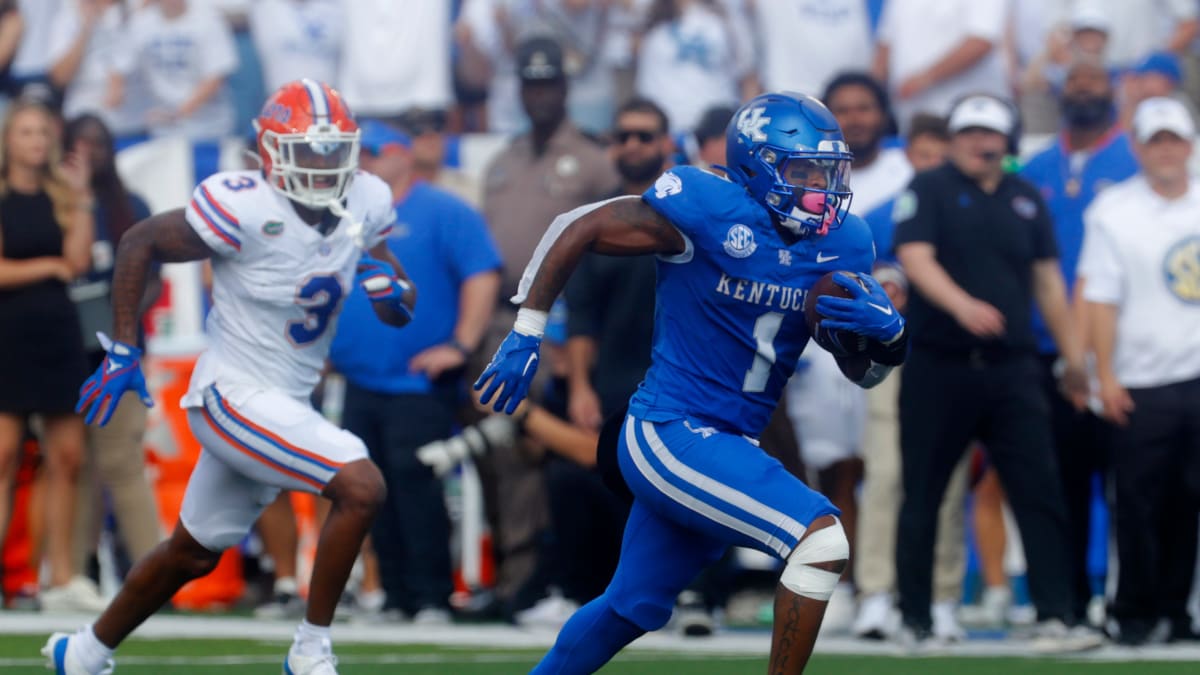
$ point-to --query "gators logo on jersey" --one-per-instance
(1181, 266)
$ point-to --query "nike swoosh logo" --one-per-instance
(885, 310)
(113, 366)
(529, 364)
(822, 258)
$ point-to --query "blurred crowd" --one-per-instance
(595, 99)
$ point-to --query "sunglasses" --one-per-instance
(643, 137)
(422, 123)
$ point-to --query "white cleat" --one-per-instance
(295, 664)
(64, 662)
(877, 618)
(946, 628)
(79, 594)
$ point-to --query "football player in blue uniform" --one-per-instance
(736, 257)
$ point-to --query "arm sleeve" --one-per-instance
(1100, 265)
(211, 217)
(685, 197)
(915, 214)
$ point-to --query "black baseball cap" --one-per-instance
(540, 58)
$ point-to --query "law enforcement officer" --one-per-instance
(549, 170)
(1140, 271)
(978, 247)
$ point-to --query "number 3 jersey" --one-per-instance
(278, 283)
(729, 322)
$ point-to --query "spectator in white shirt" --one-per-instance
(89, 47)
(31, 63)
(184, 51)
(396, 57)
(1140, 273)
(695, 54)
(932, 52)
(297, 39)
(805, 43)
(1144, 26)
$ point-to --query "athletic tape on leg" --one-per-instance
(828, 544)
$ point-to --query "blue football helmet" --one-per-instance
(787, 150)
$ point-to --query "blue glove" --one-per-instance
(869, 312)
(120, 371)
(379, 280)
(513, 366)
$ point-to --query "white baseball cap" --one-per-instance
(983, 112)
(1088, 16)
(1162, 114)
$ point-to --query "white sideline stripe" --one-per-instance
(756, 643)
(377, 659)
(689, 502)
(721, 491)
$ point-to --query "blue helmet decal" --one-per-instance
(787, 150)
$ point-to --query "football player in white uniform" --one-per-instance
(286, 243)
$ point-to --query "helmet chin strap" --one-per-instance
(355, 229)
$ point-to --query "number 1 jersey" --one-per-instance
(729, 321)
(278, 283)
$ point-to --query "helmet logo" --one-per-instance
(739, 241)
(751, 123)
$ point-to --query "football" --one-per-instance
(838, 343)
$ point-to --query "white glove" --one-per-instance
(474, 441)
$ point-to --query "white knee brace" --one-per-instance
(825, 545)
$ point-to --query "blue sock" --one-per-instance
(591, 637)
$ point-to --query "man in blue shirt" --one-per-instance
(403, 387)
(1091, 154)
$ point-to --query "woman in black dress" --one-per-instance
(45, 242)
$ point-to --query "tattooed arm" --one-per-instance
(624, 226)
(166, 237)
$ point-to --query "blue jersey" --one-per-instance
(729, 322)
(1069, 182)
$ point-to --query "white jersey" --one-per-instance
(278, 284)
(1141, 253)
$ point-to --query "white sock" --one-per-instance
(312, 640)
(93, 653)
(287, 585)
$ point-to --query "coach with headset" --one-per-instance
(979, 248)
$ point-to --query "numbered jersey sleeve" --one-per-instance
(212, 211)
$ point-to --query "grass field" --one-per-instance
(19, 656)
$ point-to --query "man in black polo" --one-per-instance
(978, 247)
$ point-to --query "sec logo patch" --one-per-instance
(1181, 267)
(739, 241)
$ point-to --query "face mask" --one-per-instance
(1087, 111)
